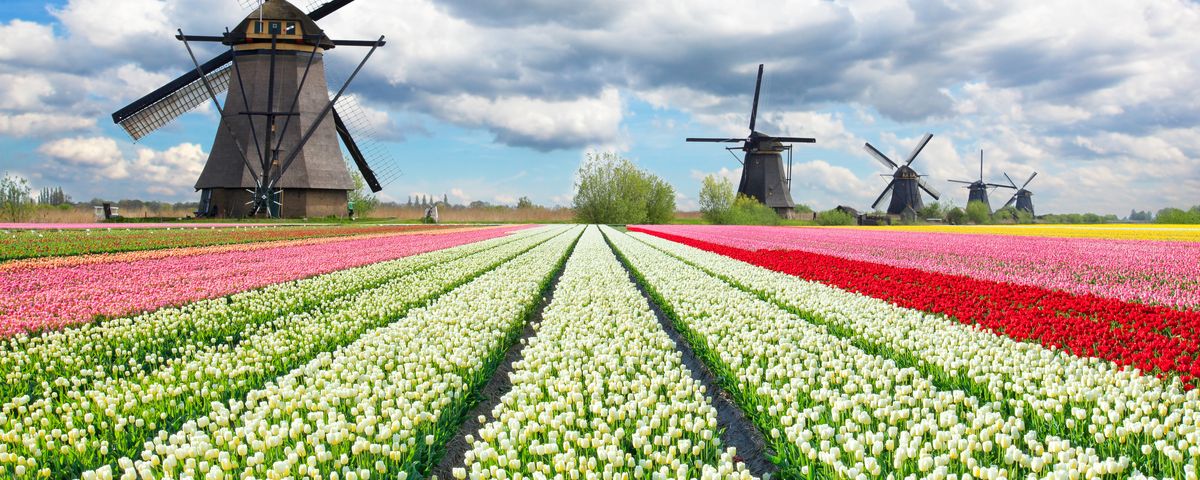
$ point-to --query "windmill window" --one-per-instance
(291, 28)
(275, 28)
(257, 27)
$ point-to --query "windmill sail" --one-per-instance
(372, 158)
(174, 104)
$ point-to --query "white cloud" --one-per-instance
(33, 37)
(537, 122)
(88, 157)
(110, 24)
(457, 196)
(171, 172)
(175, 168)
(23, 91)
(734, 175)
(38, 124)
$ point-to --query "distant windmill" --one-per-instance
(978, 188)
(763, 174)
(279, 128)
(906, 185)
(1023, 198)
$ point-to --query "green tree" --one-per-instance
(15, 203)
(1178, 216)
(363, 199)
(977, 212)
(611, 189)
(525, 202)
(716, 199)
(835, 217)
(660, 202)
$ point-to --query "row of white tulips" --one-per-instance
(112, 416)
(72, 358)
(601, 391)
(1090, 401)
(380, 407)
(832, 409)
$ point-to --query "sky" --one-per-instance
(496, 100)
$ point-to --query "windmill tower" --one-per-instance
(906, 185)
(1023, 198)
(978, 189)
(276, 150)
(763, 173)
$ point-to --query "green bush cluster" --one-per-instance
(15, 203)
(612, 190)
(719, 205)
(1179, 216)
(835, 217)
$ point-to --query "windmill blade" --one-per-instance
(715, 140)
(372, 158)
(795, 139)
(886, 192)
(190, 80)
(1001, 185)
(173, 104)
(920, 146)
(321, 9)
(1010, 201)
(1027, 181)
(981, 164)
(1014, 184)
(355, 154)
(961, 181)
(757, 87)
(928, 189)
(887, 162)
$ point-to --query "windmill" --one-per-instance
(978, 189)
(279, 128)
(906, 185)
(1023, 198)
(763, 174)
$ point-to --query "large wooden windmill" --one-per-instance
(978, 189)
(763, 175)
(276, 149)
(906, 185)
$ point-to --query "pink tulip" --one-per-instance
(54, 297)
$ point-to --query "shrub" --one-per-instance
(956, 216)
(612, 190)
(748, 211)
(835, 217)
(977, 213)
(933, 210)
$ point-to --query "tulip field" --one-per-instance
(572, 351)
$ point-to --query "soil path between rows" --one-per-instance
(495, 389)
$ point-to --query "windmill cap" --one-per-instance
(281, 10)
